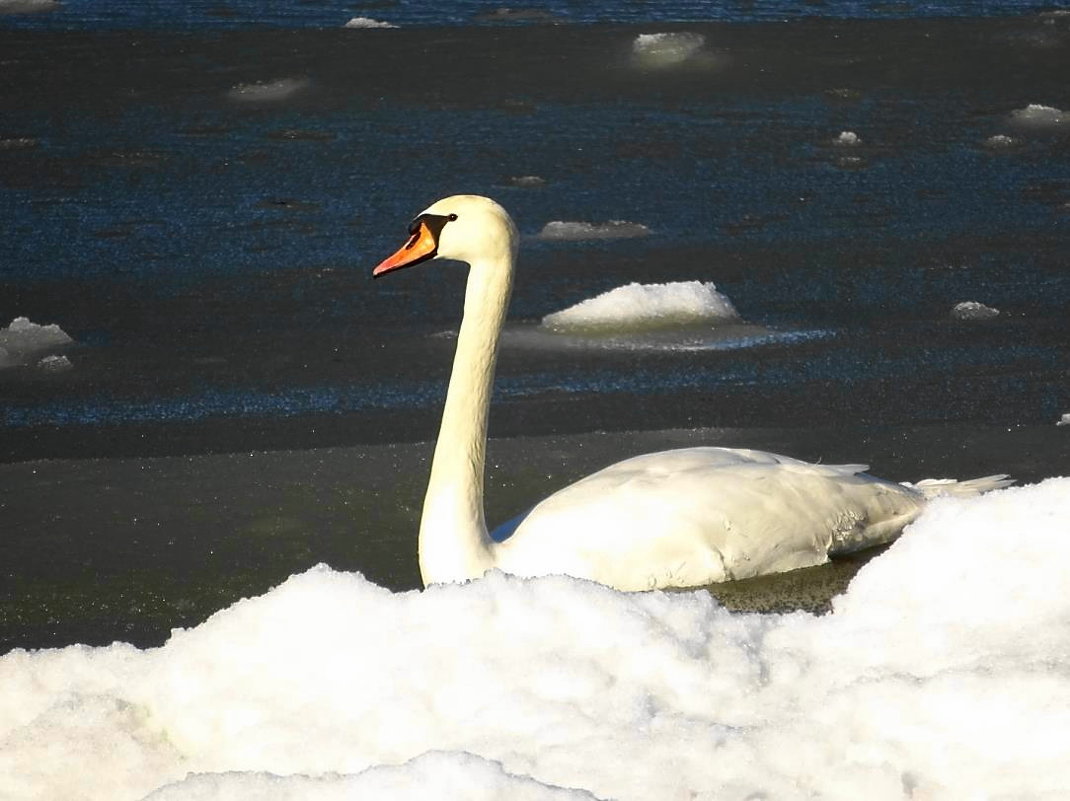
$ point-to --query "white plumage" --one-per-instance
(677, 518)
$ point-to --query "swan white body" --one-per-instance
(679, 518)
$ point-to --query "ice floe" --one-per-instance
(659, 50)
(1038, 116)
(18, 143)
(54, 364)
(368, 22)
(1001, 142)
(639, 307)
(268, 91)
(23, 340)
(973, 310)
(940, 674)
(28, 6)
(573, 231)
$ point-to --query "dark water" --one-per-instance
(230, 14)
(200, 210)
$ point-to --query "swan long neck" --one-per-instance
(454, 544)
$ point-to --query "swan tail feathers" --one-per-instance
(950, 488)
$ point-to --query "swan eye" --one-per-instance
(452, 217)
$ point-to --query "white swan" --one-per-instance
(679, 518)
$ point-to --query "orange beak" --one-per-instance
(420, 247)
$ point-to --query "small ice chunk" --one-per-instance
(24, 339)
(666, 49)
(847, 139)
(267, 91)
(1064, 420)
(1001, 142)
(644, 307)
(972, 310)
(613, 229)
(1037, 116)
(18, 143)
(367, 22)
(527, 181)
(851, 162)
(28, 6)
(54, 364)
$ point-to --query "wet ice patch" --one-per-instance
(645, 307)
(367, 22)
(973, 310)
(268, 91)
(939, 674)
(578, 231)
(24, 340)
(660, 50)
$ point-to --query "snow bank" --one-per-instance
(572, 231)
(23, 340)
(941, 674)
(267, 91)
(367, 22)
(972, 310)
(658, 50)
(643, 307)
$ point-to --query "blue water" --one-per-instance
(178, 15)
(209, 252)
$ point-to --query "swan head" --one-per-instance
(468, 228)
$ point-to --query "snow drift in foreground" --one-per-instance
(24, 340)
(941, 674)
(643, 307)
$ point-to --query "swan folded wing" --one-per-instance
(703, 515)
